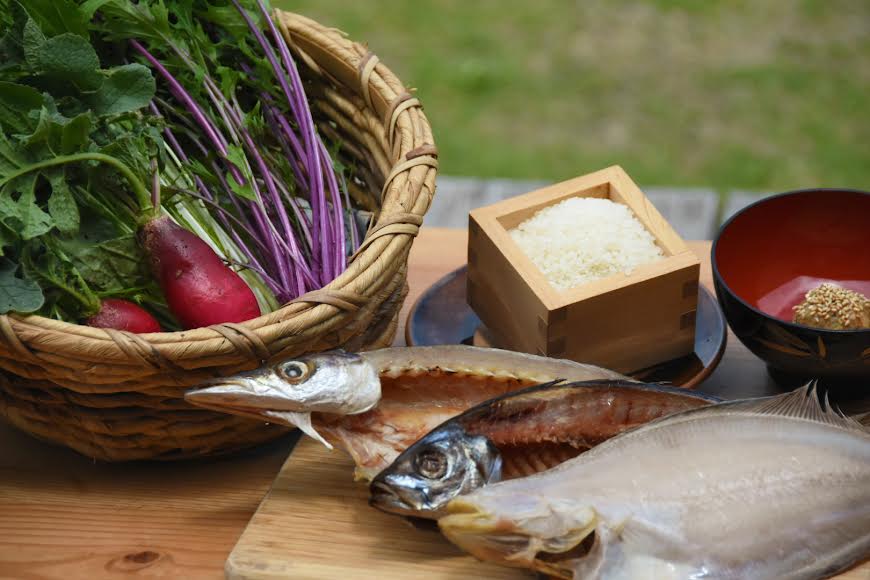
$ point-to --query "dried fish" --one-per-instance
(516, 435)
(421, 387)
(762, 489)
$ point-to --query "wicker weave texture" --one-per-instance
(117, 396)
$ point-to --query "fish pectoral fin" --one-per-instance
(605, 549)
(572, 539)
(556, 556)
(300, 420)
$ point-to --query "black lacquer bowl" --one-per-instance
(765, 259)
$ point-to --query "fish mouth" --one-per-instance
(257, 413)
(386, 499)
(234, 397)
(228, 396)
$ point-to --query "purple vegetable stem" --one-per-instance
(292, 251)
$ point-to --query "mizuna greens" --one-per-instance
(202, 101)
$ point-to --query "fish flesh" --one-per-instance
(288, 392)
(418, 387)
(773, 488)
(423, 386)
(516, 435)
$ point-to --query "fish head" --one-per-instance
(519, 528)
(329, 382)
(442, 465)
(287, 392)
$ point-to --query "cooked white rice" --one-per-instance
(583, 239)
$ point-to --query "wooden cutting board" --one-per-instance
(315, 523)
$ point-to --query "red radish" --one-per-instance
(123, 315)
(200, 288)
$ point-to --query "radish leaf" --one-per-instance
(23, 214)
(127, 88)
(62, 206)
(57, 16)
(18, 294)
(16, 102)
(112, 264)
(76, 134)
(69, 58)
(32, 41)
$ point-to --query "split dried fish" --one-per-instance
(423, 386)
(762, 489)
(516, 435)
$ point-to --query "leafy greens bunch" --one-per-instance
(202, 100)
(71, 138)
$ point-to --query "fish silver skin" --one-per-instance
(774, 488)
(288, 392)
(518, 434)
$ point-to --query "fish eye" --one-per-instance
(294, 371)
(432, 464)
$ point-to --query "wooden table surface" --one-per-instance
(64, 516)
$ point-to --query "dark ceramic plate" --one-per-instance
(442, 316)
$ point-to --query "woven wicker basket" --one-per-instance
(118, 396)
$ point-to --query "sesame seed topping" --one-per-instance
(833, 307)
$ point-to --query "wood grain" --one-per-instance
(63, 516)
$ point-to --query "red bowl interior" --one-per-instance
(773, 252)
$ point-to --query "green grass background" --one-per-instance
(763, 95)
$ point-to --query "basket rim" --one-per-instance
(298, 30)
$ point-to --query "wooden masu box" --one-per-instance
(623, 322)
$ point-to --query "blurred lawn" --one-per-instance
(768, 95)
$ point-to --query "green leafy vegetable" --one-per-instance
(16, 103)
(226, 133)
(21, 213)
(18, 294)
(56, 17)
(62, 206)
(68, 58)
(127, 88)
(73, 143)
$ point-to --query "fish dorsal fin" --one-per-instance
(802, 403)
(864, 419)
